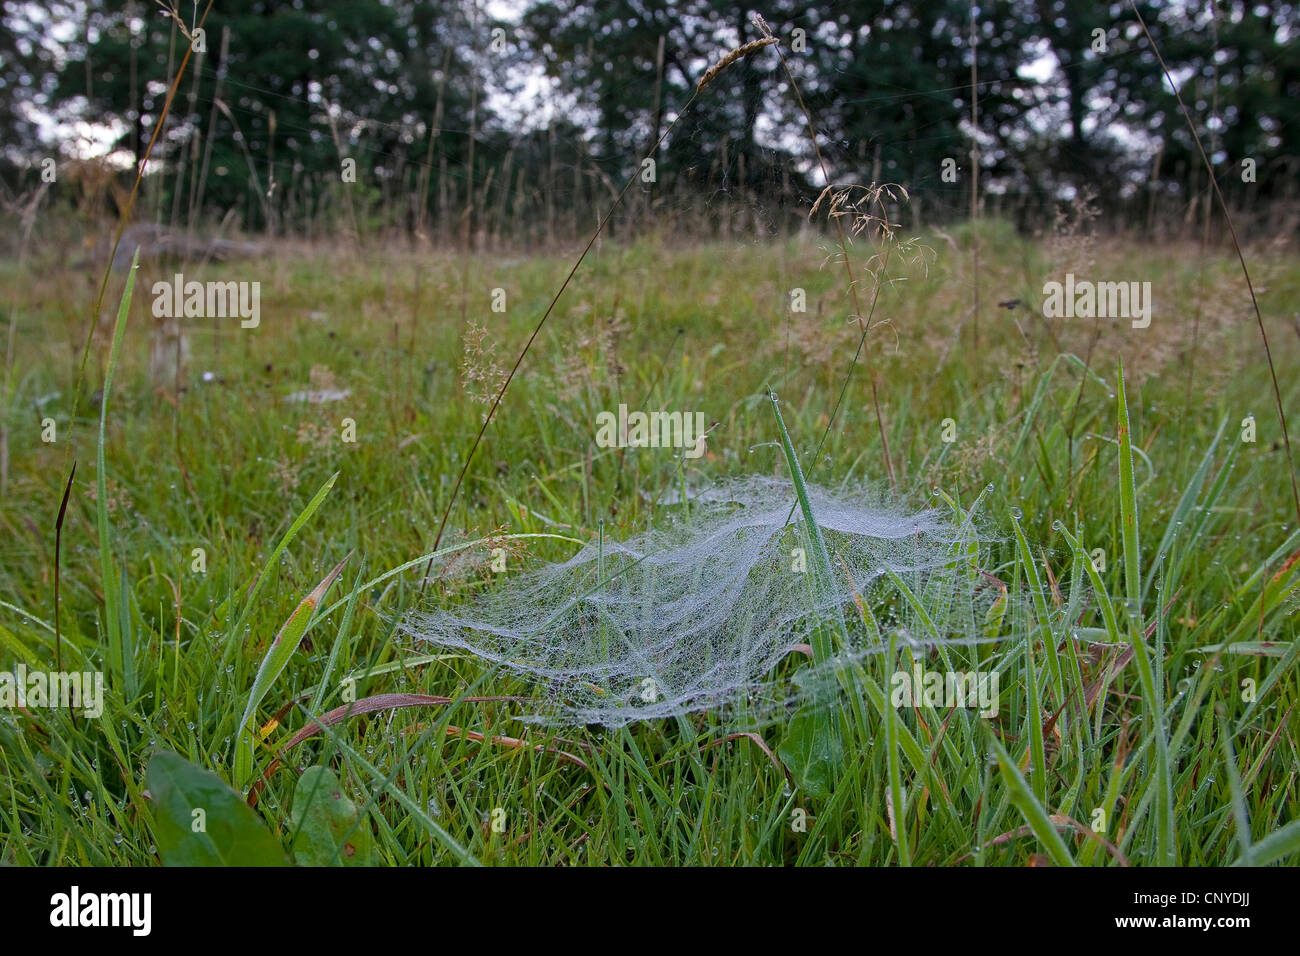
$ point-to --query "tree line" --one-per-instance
(435, 118)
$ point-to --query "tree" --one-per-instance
(282, 94)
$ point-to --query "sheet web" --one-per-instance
(698, 615)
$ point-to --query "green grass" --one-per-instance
(1185, 755)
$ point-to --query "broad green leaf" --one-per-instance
(200, 821)
(811, 754)
(327, 828)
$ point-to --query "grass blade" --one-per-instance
(288, 536)
(1282, 842)
(1023, 799)
(273, 664)
(1166, 847)
(1239, 815)
(813, 746)
(121, 660)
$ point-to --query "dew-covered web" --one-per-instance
(698, 615)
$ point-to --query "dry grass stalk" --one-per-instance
(708, 77)
(759, 22)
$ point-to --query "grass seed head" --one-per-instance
(753, 46)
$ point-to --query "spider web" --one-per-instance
(698, 615)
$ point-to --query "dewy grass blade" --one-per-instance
(1182, 515)
(273, 664)
(344, 632)
(441, 552)
(814, 741)
(821, 559)
(1040, 609)
(1034, 725)
(1128, 505)
(121, 658)
(1031, 808)
(1239, 816)
(1155, 711)
(1107, 609)
(58, 553)
(251, 601)
(897, 798)
(1282, 842)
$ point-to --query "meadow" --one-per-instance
(1139, 524)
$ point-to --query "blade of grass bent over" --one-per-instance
(273, 664)
(288, 536)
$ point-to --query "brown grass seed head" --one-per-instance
(753, 46)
